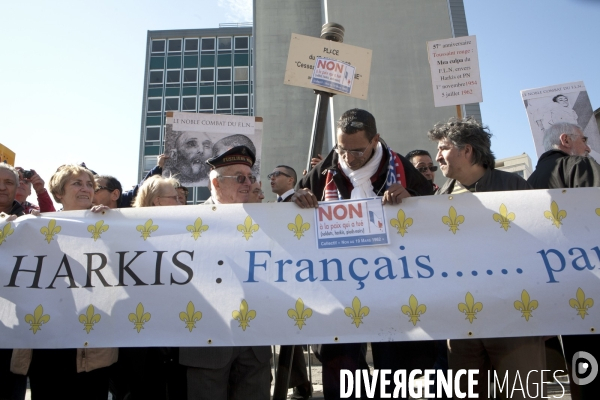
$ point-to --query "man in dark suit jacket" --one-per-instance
(228, 373)
(283, 180)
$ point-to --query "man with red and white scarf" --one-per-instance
(362, 166)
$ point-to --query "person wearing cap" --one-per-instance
(228, 373)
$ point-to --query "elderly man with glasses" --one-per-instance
(363, 166)
(228, 373)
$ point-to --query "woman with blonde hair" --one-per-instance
(68, 373)
(154, 372)
(157, 191)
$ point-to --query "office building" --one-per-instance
(193, 70)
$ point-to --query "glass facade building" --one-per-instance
(194, 70)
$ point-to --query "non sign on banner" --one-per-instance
(350, 223)
(454, 67)
(333, 74)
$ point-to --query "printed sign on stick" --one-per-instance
(455, 71)
(303, 59)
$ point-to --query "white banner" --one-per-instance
(485, 265)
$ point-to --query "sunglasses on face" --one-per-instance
(98, 188)
(275, 174)
(424, 169)
(241, 178)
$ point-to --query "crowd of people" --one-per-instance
(360, 166)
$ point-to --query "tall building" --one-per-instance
(400, 94)
(194, 70)
(520, 165)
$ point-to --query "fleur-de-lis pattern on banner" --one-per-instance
(36, 320)
(504, 217)
(146, 229)
(401, 222)
(300, 314)
(470, 308)
(414, 310)
(526, 305)
(5, 232)
(197, 229)
(50, 230)
(98, 229)
(299, 226)
(190, 316)
(357, 311)
(598, 212)
(248, 228)
(244, 315)
(581, 304)
(453, 220)
(139, 318)
(89, 319)
(555, 214)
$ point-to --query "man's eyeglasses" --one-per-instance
(275, 174)
(98, 188)
(353, 153)
(241, 178)
(432, 168)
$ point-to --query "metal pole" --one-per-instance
(334, 32)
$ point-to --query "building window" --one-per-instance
(154, 105)
(208, 44)
(224, 74)
(171, 103)
(158, 46)
(224, 43)
(223, 102)
(241, 43)
(190, 75)
(240, 73)
(207, 75)
(191, 44)
(152, 133)
(174, 45)
(173, 76)
(149, 163)
(188, 104)
(240, 101)
(206, 103)
(156, 77)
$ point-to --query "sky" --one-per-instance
(72, 72)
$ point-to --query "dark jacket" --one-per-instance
(557, 169)
(492, 181)
(16, 209)
(314, 180)
(128, 196)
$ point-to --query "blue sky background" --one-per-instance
(71, 75)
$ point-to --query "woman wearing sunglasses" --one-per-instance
(422, 161)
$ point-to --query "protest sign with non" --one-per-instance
(567, 102)
(495, 264)
(193, 138)
(350, 223)
(454, 67)
(333, 74)
(302, 59)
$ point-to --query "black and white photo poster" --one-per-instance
(567, 102)
(193, 138)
